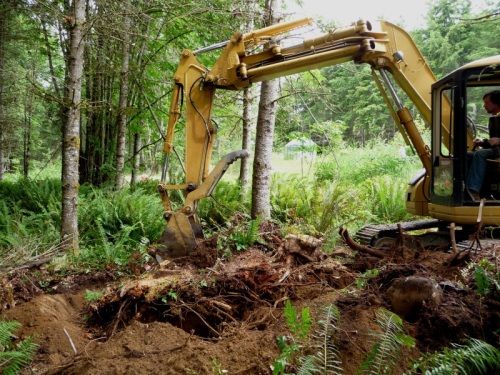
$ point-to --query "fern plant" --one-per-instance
(474, 357)
(14, 357)
(385, 198)
(242, 236)
(386, 350)
(300, 327)
(326, 359)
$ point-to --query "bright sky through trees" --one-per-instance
(409, 13)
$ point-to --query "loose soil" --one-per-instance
(206, 314)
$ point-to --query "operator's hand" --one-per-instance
(478, 142)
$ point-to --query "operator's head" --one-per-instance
(491, 102)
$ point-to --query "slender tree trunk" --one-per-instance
(137, 159)
(4, 15)
(28, 113)
(122, 116)
(28, 109)
(248, 94)
(261, 179)
(246, 139)
(71, 130)
(53, 75)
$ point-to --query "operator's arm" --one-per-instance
(495, 141)
(487, 142)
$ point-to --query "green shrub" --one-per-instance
(290, 198)
(29, 209)
(355, 165)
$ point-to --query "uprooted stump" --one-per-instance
(206, 301)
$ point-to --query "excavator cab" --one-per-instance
(457, 118)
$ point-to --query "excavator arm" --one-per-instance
(262, 55)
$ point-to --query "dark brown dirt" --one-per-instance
(204, 314)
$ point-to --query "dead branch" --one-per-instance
(356, 246)
(476, 237)
(70, 340)
(400, 241)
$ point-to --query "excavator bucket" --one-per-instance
(183, 228)
(179, 237)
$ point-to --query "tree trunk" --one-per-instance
(261, 180)
(28, 114)
(28, 111)
(122, 106)
(5, 11)
(71, 129)
(92, 160)
(137, 159)
(246, 139)
(247, 115)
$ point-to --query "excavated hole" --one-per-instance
(201, 320)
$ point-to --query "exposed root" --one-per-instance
(356, 246)
(217, 333)
(453, 238)
(118, 318)
(479, 227)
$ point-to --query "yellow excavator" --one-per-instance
(447, 105)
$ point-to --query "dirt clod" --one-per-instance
(407, 295)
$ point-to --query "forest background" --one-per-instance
(132, 49)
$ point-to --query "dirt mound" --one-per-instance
(203, 315)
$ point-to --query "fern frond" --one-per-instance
(14, 357)
(253, 231)
(7, 330)
(103, 236)
(387, 345)
(474, 357)
(309, 366)
(326, 359)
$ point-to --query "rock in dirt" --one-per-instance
(407, 295)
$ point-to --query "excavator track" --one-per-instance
(371, 234)
(384, 234)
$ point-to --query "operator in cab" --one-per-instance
(489, 146)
